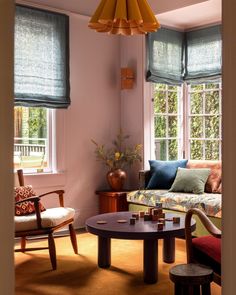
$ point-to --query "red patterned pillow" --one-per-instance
(27, 207)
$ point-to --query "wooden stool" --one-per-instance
(189, 277)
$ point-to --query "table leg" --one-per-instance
(150, 261)
(169, 250)
(104, 252)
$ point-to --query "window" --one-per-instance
(204, 121)
(31, 142)
(167, 119)
(187, 121)
(41, 75)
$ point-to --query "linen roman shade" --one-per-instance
(203, 54)
(175, 57)
(41, 58)
(165, 56)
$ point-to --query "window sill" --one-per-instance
(45, 179)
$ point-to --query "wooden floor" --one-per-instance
(79, 274)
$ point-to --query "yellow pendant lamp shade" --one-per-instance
(125, 17)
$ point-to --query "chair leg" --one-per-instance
(73, 238)
(52, 251)
(23, 244)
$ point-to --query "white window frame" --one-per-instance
(55, 144)
(187, 102)
(179, 115)
(184, 126)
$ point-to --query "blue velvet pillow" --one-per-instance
(163, 173)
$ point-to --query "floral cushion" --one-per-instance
(25, 208)
(214, 179)
(207, 202)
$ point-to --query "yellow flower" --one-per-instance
(117, 156)
(138, 147)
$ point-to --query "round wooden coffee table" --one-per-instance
(142, 230)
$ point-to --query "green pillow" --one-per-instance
(190, 180)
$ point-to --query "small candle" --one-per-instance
(136, 216)
(141, 214)
(160, 226)
(162, 220)
(176, 219)
(132, 221)
(147, 217)
(150, 210)
(155, 217)
(155, 211)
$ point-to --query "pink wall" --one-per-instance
(94, 113)
(132, 52)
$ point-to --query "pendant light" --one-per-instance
(124, 17)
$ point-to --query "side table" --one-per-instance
(110, 201)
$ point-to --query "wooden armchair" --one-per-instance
(206, 249)
(44, 223)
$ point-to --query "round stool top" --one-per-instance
(191, 274)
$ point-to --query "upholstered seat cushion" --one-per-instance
(50, 218)
(207, 250)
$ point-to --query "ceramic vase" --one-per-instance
(116, 179)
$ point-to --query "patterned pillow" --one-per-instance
(25, 208)
(214, 179)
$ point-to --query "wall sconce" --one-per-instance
(127, 78)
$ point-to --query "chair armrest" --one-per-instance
(60, 194)
(32, 199)
(36, 200)
(212, 229)
(144, 176)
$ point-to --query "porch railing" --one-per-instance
(27, 145)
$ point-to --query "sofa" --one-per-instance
(181, 202)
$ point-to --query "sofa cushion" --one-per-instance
(190, 180)
(163, 173)
(207, 250)
(207, 202)
(27, 207)
(214, 179)
(49, 218)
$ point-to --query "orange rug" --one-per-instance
(79, 274)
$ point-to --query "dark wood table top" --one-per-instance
(140, 231)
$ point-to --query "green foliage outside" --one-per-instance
(37, 123)
(204, 121)
(31, 122)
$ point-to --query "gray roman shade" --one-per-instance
(41, 58)
(174, 57)
(165, 55)
(203, 54)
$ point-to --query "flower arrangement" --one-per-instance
(118, 156)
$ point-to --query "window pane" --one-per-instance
(173, 126)
(160, 149)
(212, 150)
(196, 150)
(173, 102)
(196, 127)
(212, 86)
(31, 138)
(173, 88)
(160, 102)
(212, 102)
(212, 125)
(196, 104)
(160, 126)
(173, 149)
(196, 87)
(158, 86)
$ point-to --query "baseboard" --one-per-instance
(58, 234)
